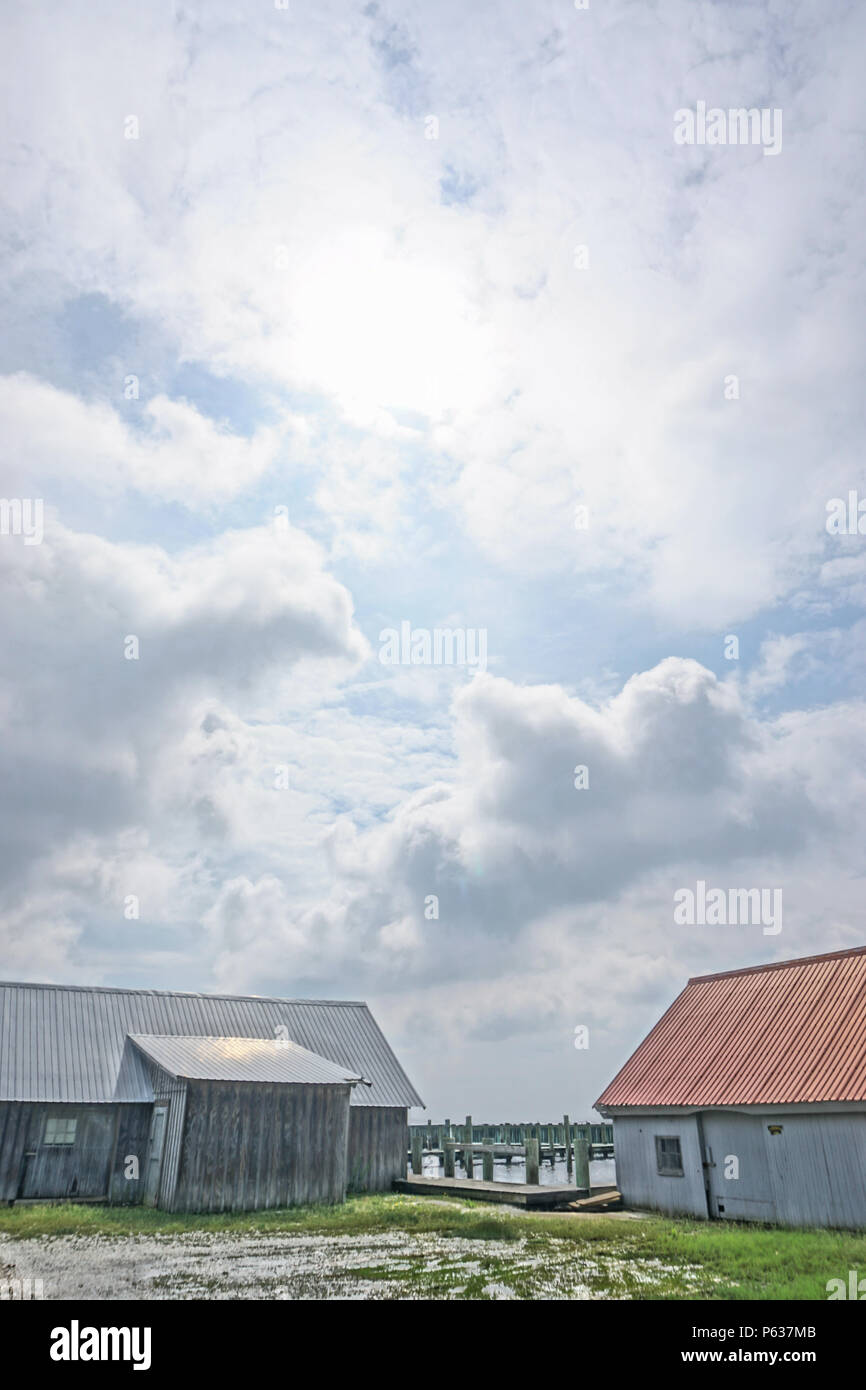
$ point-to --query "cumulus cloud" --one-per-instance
(179, 455)
(556, 904)
(679, 774)
(114, 651)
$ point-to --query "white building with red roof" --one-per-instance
(747, 1100)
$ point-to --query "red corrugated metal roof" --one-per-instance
(790, 1032)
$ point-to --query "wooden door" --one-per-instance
(155, 1148)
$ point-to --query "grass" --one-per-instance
(653, 1257)
(355, 1216)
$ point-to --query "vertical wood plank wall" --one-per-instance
(15, 1119)
(378, 1141)
(133, 1132)
(91, 1167)
(239, 1146)
(254, 1145)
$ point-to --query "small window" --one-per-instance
(59, 1130)
(669, 1156)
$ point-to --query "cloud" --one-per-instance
(53, 436)
(555, 905)
(682, 780)
(247, 618)
(285, 224)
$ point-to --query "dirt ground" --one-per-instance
(389, 1265)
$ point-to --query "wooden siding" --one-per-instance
(637, 1175)
(15, 1117)
(378, 1143)
(819, 1167)
(132, 1134)
(247, 1146)
(810, 1173)
(80, 1169)
(92, 1167)
(275, 1152)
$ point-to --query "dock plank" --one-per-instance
(515, 1194)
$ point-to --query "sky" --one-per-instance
(326, 319)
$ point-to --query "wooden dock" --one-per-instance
(534, 1197)
(556, 1140)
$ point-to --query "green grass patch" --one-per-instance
(356, 1216)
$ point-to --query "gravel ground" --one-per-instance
(393, 1265)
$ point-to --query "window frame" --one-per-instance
(667, 1171)
(61, 1122)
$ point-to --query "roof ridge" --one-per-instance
(181, 993)
(779, 964)
(219, 1038)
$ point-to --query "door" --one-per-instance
(737, 1172)
(155, 1149)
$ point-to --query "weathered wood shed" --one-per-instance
(241, 1123)
(747, 1101)
(195, 1102)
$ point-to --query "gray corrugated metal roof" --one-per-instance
(241, 1059)
(65, 1042)
(135, 1075)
